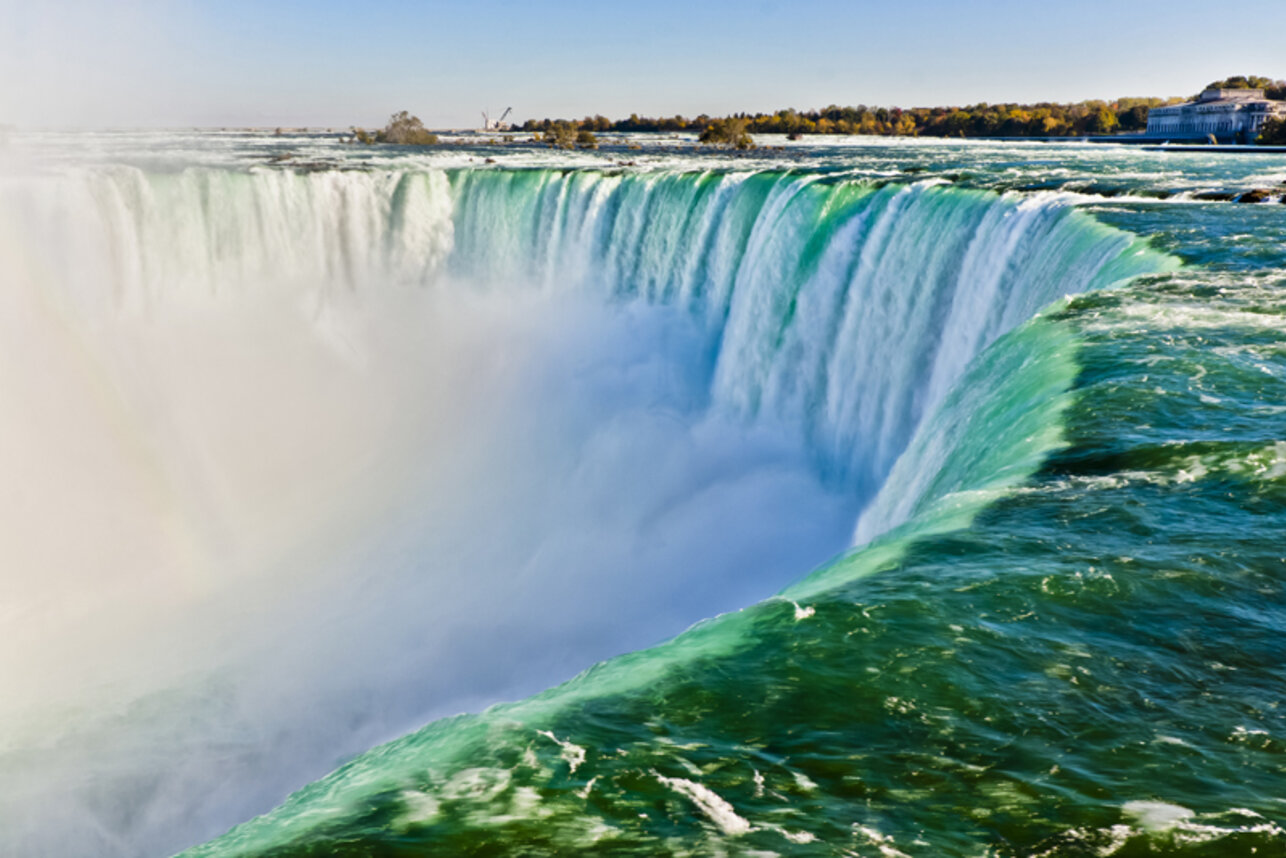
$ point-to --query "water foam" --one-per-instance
(344, 451)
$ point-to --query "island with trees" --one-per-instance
(402, 129)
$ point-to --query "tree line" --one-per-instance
(1044, 119)
(1274, 90)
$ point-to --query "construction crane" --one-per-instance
(497, 125)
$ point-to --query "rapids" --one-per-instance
(308, 459)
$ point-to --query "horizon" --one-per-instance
(576, 116)
(905, 482)
(197, 64)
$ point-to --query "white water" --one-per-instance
(298, 462)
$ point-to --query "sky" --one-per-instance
(92, 63)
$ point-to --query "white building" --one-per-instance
(1228, 114)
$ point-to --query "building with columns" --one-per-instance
(1231, 115)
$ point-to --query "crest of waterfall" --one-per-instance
(224, 352)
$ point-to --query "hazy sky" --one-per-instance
(339, 62)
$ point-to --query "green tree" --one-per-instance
(1103, 121)
(1273, 133)
(1134, 118)
(1252, 81)
(957, 124)
(561, 134)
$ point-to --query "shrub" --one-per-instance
(403, 129)
(728, 132)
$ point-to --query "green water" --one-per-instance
(1072, 645)
(1108, 634)
(1050, 376)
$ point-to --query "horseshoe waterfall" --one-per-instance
(882, 499)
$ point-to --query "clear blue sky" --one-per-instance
(339, 62)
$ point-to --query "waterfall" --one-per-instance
(304, 459)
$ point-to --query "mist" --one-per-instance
(259, 521)
(296, 461)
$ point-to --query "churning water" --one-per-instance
(301, 460)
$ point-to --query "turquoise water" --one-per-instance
(1058, 411)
